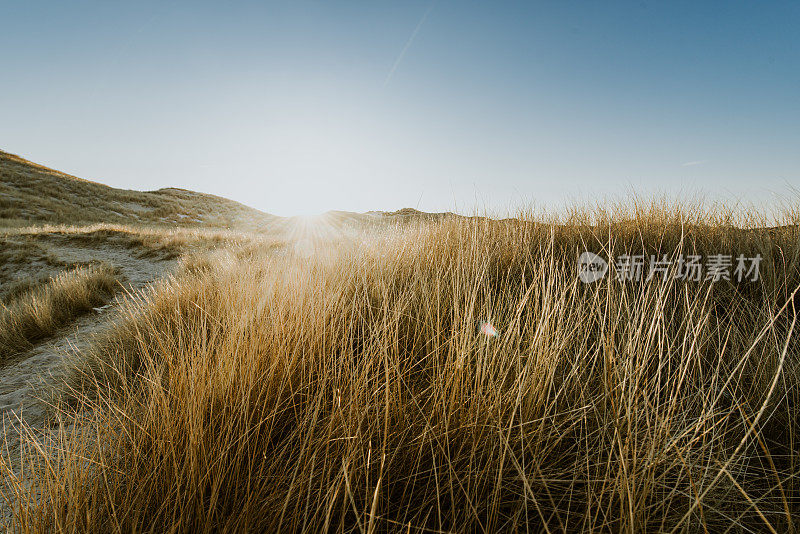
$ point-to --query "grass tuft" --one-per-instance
(36, 310)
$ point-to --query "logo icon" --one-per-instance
(591, 267)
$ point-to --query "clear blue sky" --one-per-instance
(300, 107)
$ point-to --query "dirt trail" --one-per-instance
(21, 376)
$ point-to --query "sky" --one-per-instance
(299, 107)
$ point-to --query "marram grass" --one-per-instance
(354, 391)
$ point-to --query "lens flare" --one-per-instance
(308, 235)
(488, 330)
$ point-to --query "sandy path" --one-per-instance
(21, 376)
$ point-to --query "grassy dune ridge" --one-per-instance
(33, 193)
(353, 390)
(148, 240)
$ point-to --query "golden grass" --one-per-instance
(33, 193)
(352, 391)
(20, 256)
(38, 311)
(147, 241)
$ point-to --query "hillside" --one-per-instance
(32, 193)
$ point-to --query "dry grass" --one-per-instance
(22, 257)
(35, 311)
(33, 193)
(352, 391)
(146, 241)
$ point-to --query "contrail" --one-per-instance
(408, 43)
